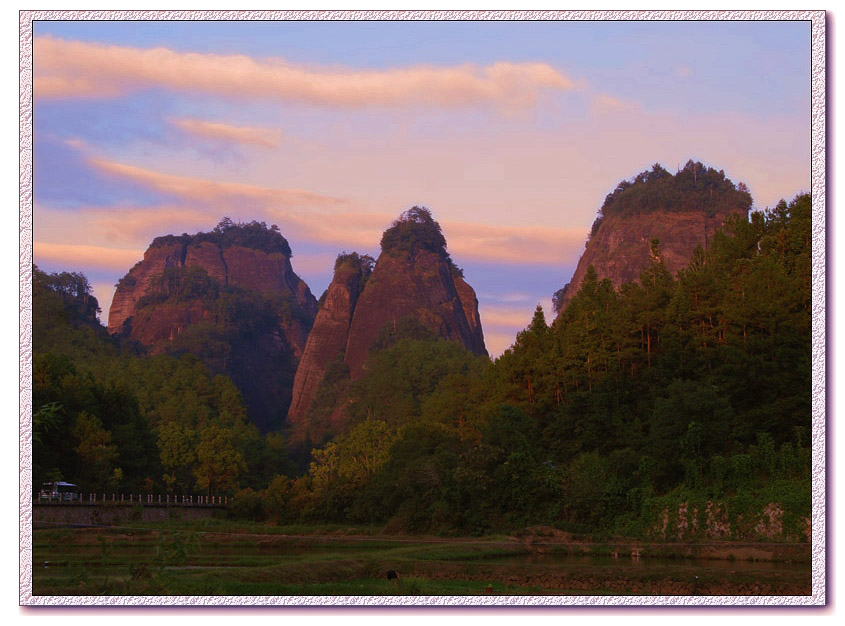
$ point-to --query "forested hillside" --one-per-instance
(110, 418)
(670, 393)
(684, 396)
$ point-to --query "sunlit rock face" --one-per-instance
(329, 336)
(230, 297)
(681, 211)
(410, 280)
(419, 285)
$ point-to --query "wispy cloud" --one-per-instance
(497, 342)
(506, 318)
(64, 69)
(502, 322)
(514, 244)
(139, 226)
(330, 220)
(77, 255)
(603, 104)
(514, 296)
(218, 131)
(683, 71)
(205, 190)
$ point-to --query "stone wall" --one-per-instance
(116, 513)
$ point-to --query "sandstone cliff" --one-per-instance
(328, 338)
(232, 298)
(469, 302)
(420, 285)
(682, 211)
(413, 278)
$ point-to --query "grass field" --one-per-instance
(217, 557)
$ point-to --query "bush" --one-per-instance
(246, 504)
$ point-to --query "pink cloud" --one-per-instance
(604, 104)
(211, 191)
(334, 221)
(509, 318)
(141, 225)
(543, 245)
(118, 227)
(80, 255)
(497, 342)
(309, 216)
(250, 135)
(80, 69)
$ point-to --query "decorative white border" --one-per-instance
(819, 154)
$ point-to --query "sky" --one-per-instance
(512, 133)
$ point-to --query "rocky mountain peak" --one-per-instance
(681, 211)
(414, 277)
(231, 297)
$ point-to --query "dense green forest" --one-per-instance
(108, 417)
(415, 230)
(695, 187)
(694, 388)
(229, 233)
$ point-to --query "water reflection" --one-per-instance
(645, 562)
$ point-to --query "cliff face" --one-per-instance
(328, 337)
(240, 308)
(681, 210)
(469, 302)
(409, 280)
(135, 284)
(621, 247)
(420, 285)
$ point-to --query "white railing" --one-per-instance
(141, 499)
